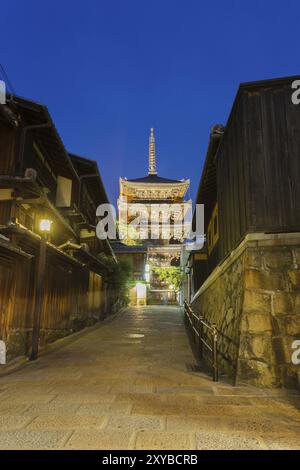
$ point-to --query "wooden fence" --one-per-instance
(73, 298)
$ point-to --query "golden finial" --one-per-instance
(152, 157)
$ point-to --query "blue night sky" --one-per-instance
(110, 70)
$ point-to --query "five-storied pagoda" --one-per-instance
(164, 199)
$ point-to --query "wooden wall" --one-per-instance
(15, 299)
(73, 298)
(258, 165)
(8, 149)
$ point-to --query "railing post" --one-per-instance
(215, 353)
(200, 331)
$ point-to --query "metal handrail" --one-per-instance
(198, 330)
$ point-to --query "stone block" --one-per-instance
(84, 398)
(22, 439)
(257, 373)
(226, 440)
(286, 303)
(256, 347)
(253, 258)
(294, 278)
(134, 423)
(13, 422)
(277, 258)
(282, 441)
(112, 440)
(105, 409)
(296, 252)
(229, 315)
(67, 421)
(163, 441)
(292, 325)
(255, 301)
(256, 323)
(192, 423)
(28, 398)
(50, 408)
(261, 347)
(264, 280)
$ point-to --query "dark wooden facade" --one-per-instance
(251, 175)
(39, 179)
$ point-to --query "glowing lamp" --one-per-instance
(45, 225)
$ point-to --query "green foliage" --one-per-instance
(130, 233)
(118, 275)
(171, 275)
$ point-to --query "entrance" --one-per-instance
(162, 297)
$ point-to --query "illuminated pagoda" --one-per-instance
(154, 192)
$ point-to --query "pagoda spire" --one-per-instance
(152, 157)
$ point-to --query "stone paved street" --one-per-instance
(128, 384)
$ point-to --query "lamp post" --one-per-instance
(45, 227)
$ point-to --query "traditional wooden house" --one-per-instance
(43, 187)
(247, 277)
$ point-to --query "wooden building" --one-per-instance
(40, 181)
(250, 188)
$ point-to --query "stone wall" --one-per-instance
(254, 298)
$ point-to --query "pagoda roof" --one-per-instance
(154, 179)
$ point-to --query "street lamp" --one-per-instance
(45, 228)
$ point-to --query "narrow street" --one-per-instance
(128, 383)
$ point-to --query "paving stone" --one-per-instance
(255, 424)
(135, 423)
(238, 391)
(27, 398)
(28, 387)
(282, 441)
(84, 398)
(97, 440)
(12, 422)
(11, 408)
(66, 421)
(156, 409)
(80, 388)
(106, 391)
(129, 387)
(216, 440)
(32, 440)
(104, 409)
(185, 390)
(224, 400)
(191, 423)
(51, 408)
(163, 441)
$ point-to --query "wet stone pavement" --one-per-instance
(127, 384)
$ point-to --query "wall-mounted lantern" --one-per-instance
(45, 226)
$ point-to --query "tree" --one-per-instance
(171, 275)
(118, 275)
